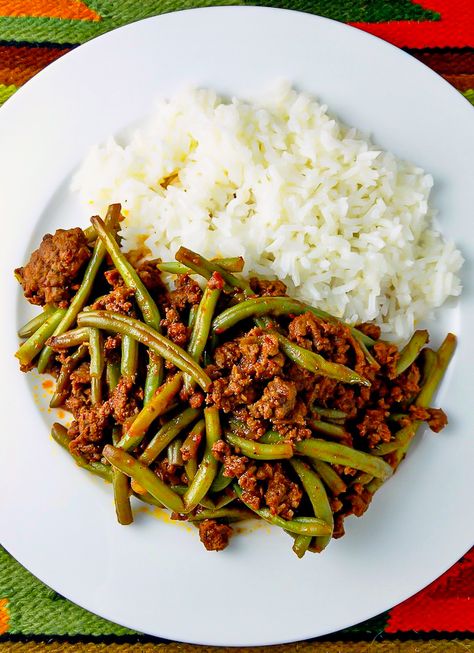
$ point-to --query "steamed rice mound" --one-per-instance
(299, 195)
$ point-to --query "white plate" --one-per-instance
(153, 576)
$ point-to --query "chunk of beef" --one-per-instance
(174, 329)
(52, 275)
(268, 288)
(277, 402)
(374, 428)
(89, 430)
(213, 535)
(187, 293)
(124, 400)
(119, 300)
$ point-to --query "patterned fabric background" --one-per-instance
(33, 33)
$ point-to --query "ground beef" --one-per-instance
(53, 273)
(89, 430)
(124, 400)
(79, 393)
(170, 474)
(371, 330)
(119, 300)
(187, 293)
(435, 417)
(277, 402)
(269, 485)
(374, 428)
(333, 341)
(264, 288)
(387, 355)
(174, 329)
(214, 536)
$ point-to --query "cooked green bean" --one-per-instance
(207, 470)
(96, 347)
(144, 477)
(410, 351)
(32, 347)
(232, 264)
(202, 266)
(129, 359)
(229, 514)
(82, 295)
(167, 433)
(225, 498)
(311, 361)
(429, 361)
(329, 413)
(202, 326)
(311, 526)
(370, 359)
(174, 453)
(363, 479)
(259, 451)
(190, 446)
(314, 488)
(112, 375)
(330, 477)
(339, 454)
(301, 544)
(121, 487)
(59, 435)
(205, 502)
(251, 308)
(147, 498)
(63, 380)
(90, 234)
(333, 430)
(28, 329)
(160, 345)
(155, 407)
(154, 376)
(221, 481)
(72, 338)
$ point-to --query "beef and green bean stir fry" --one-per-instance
(219, 397)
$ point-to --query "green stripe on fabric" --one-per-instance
(35, 609)
(469, 95)
(6, 92)
(115, 13)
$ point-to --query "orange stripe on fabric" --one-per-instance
(4, 616)
(455, 29)
(18, 63)
(71, 9)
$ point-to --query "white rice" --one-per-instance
(299, 195)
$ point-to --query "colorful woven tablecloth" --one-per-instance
(33, 33)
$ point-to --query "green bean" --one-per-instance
(229, 514)
(192, 316)
(121, 487)
(82, 295)
(167, 433)
(63, 380)
(410, 351)
(144, 477)
(96, 347)
(311, 361)
(399, 445)
(202, 266)
(205, 502)
(174, 453)
(28, 329)
(363, 479)
(189, 448)
(301, 544)
(370, 359)
(314, 488)
(71, 338)
(329, 413)
(202, 326)
(90, 234)
(112, 375)
(154, 376)
(221, 481)
(259, 451)
(271, 437)
(155, 407)
(32, 347)
(129, 359)
(160, 345)
(225, 499)
(147, 498)
(207, 470)
(252, 308)
(429, 361)
(311, 526)
(330, 477)
(232, 264)
(333, 430)
(59, 435)
(339, 454)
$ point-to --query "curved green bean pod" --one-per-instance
(231, 264)
(154, 377)
(174, 453)
(339, 454)
(62, 383)
(311, 361)
(96, 348)
(167, 433)
(333, 430)
(229, 514)
(28, 329)
(202, 326)
(220, 482)
(311, 526)
(144, 477)
(160, 345)
(82, 295)
(314, 488)
(207, 470)
(259, 451)
(32, 347)
(155, 407)
(331, 478)
(225, 498)
(205, 502)
(147, 498)
(301, 544)
(410, 351)
(258, 306)
(202, 266)
(112, 375)
(71, 338)
(129, 359)
(189, 448)
(59, 435)
(90, 234)
(121, 487)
